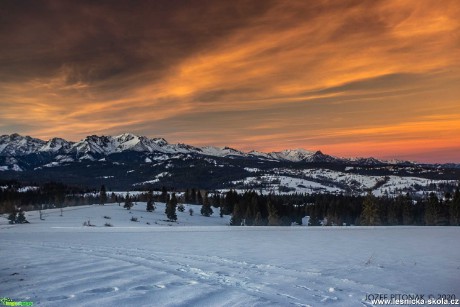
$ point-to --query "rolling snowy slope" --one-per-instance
(58, 262)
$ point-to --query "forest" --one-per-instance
(248, 208)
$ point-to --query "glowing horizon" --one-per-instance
(366, 78)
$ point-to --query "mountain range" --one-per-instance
(94, 147)
(130, 161)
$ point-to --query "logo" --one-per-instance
(6, 301)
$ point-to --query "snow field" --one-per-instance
(58, 262)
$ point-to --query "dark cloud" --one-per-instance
(105, 39)
(332, 75)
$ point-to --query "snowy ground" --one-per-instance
(58, 262)
(330, 181)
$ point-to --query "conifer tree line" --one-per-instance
(248, 208)
(375, 211)
(252, 209)
(48, 195)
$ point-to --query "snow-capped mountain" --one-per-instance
(18, 145)
(297, 155)
(56, 145)
(128, 160)
(94, 146)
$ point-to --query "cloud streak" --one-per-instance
(347, 77)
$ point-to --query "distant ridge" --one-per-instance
(128, 161)
(93, 147)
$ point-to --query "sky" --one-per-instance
(349, 78)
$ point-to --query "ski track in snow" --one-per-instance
(111, 275)
(57, 262)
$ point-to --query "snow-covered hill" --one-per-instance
(311, 181)
(118, 217)
(59, 262)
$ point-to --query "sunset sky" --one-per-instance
(349, 78)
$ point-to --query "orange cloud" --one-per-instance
(373, 78)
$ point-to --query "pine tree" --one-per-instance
(206, 209)
(250, 213)
(102, 195)
(12, 217)
(393, 213)
(370, 214)
(407, 210)
(180, 207)
(164, 195)
(199, 197)
(236, 215)
(258, 221)
(273, 218)
(171, 208)
(187, 198)
(128, 202)
(285, 221)
(113, 198)
(432, 210)
(21, 219)
(166, 205)
(215, 201)
(248, 217)
(314, 219)
(454, 209)
(193, 196)
(231, 198)
(150, 203)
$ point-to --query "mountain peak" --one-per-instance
(127, 136)
(160, 141)
(55, 144)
